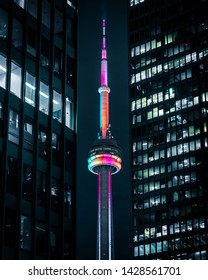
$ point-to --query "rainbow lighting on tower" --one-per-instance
(104, 160)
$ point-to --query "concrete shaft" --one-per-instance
(105, 239)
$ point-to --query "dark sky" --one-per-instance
(91, 13)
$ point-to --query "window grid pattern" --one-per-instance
(168, 93)
(37, 128)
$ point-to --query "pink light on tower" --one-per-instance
(104, 160)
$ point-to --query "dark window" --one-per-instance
(46, 13)
(17, 34)
(12, 175)
(58, 23)
(1, 119)
(69, 156)
(67, 201)
(57, 62)
(27, 182)
(45, 48)
(10, 227)
(25, 233)
(3, 25)
(40, 238)
(55, 148)
(54, 194)
(41, 191)
(32, 8)
(28, 134)
(42, 143)
(71, 77)
(31, 41)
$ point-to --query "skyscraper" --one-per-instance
(37, 128)
(104, 160)
(169, 138)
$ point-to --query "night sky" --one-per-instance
(91, 13)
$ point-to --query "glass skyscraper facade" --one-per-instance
(168, 68)
(37, 128)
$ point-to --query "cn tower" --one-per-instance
(104, 160)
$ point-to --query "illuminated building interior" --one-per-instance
(169, 108)
(37, 128)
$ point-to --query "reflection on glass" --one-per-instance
(57, 106)
(15, 83)
(3, 71)
(30, 89)
(44, 98)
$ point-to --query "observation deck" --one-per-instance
(105, 152)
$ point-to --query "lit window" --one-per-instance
(57, 106)
(15, 84)
(44, 98)
(69, 118)
(30, 89)
(3, 71)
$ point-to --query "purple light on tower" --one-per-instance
(104, 160)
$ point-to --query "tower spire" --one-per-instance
(104, 90)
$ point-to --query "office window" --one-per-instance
(69, 117)
(71, 72)
(30, 89)
(54, 195)
(25, 233)
(70, 32)
(55, 148)
(41, 191)
(42, 142)
(17, 34)
(3, 24)
(58, 23)
(31, 41)
(57, 68)
(32, 8)
(13, 127)
(69, 156)
(27, 182)
(45, 52)
(16, 79)
(12, 175)
(44, 98)
(57, 106)
(10, 227)
(40, 240)
(3, 70)
(67, 201)
(28, 134)
(1, 118)
(21, 3)
(46, 13)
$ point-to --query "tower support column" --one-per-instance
(105, 242)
